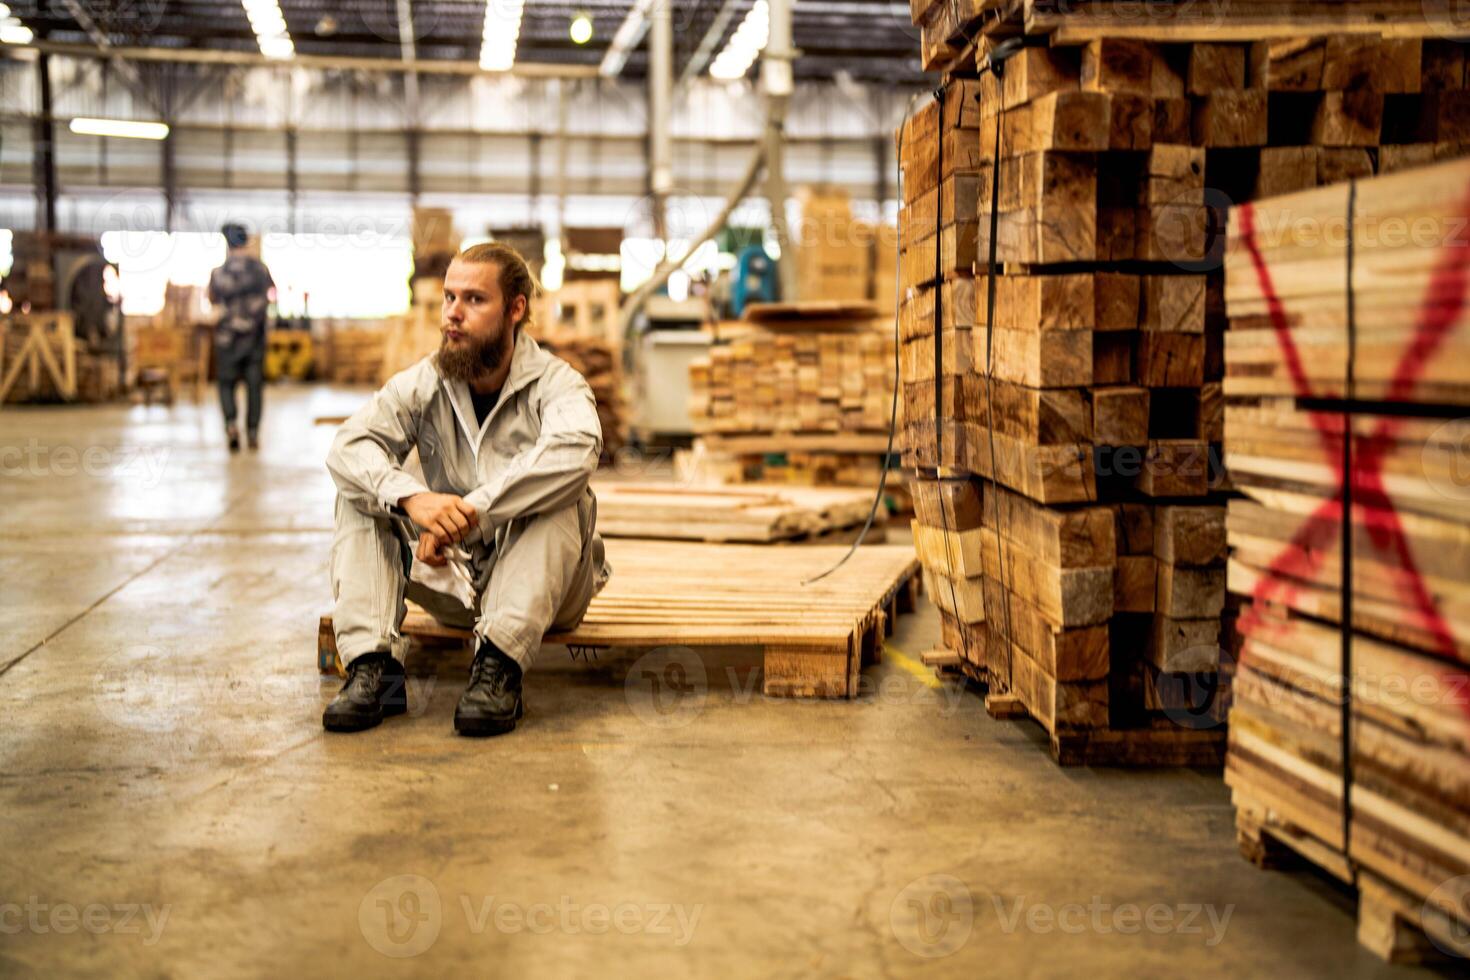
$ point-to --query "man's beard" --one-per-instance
(475, 355)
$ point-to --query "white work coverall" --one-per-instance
(535, 561)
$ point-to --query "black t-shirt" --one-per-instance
(483, 403)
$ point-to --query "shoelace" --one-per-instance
(498, 678)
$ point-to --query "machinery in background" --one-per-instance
(68, 274)
(667, 336)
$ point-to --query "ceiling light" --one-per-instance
(501, 32)
(271, 33)
(4, 12)
(749, 39)
(581, 29)
(126, 128)
(14, 32)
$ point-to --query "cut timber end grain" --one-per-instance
(1173, 304)
(1442, 65)
(1120, 416)
(1231, 118)
(1213, 67)
(1117, 300)
(1135, 584)
(1059, 121)
(1172, 121)
(1338, 163)
(1288, 64)
(1036, 71)
(1060, 302)
(1352, 118)
(1118, 66)
(1285, 169)
(1367, 63)
(1169, 360)
(1131, 123)
(1192, 535)
(952, 503)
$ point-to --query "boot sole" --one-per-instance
(362, 724)
(482, 727)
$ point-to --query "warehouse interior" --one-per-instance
(1015, 458)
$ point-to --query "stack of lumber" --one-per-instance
(600, 365)
(1385, 691)
(752, 513)
(812, 368)
(956, 34)
(817, 634)
(415, 335)
(355, 353)
(588, 308)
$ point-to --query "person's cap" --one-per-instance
(235, 235)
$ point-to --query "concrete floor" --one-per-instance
(169, 804)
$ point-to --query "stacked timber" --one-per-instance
(355, 353)
(808, 369)
(1084, 371)
(754, 513)
(1348, 373)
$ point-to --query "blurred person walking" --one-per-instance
(242, 288)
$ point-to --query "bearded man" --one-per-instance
(498, 535)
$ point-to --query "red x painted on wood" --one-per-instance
(1440, 309)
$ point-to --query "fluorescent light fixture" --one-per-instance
(749, 39)
(581, 29)
(627, 37)
(126, 128)
(269, 25)
(502, 32)
(13, 31)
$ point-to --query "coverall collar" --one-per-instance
(527, 363)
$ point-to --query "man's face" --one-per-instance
(478, 328)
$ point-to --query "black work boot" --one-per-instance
(232, 434)
(374, 690)
(492, 702)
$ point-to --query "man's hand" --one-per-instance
(446, 516)
(429, 552)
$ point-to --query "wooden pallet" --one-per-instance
(41, 348)
(753, 512)
(1392, 924)
(816, 637)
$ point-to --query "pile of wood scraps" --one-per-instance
(749, 513)
(1346, 376)
(816, 637)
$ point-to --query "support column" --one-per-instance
(660, 104)
(43, 141)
